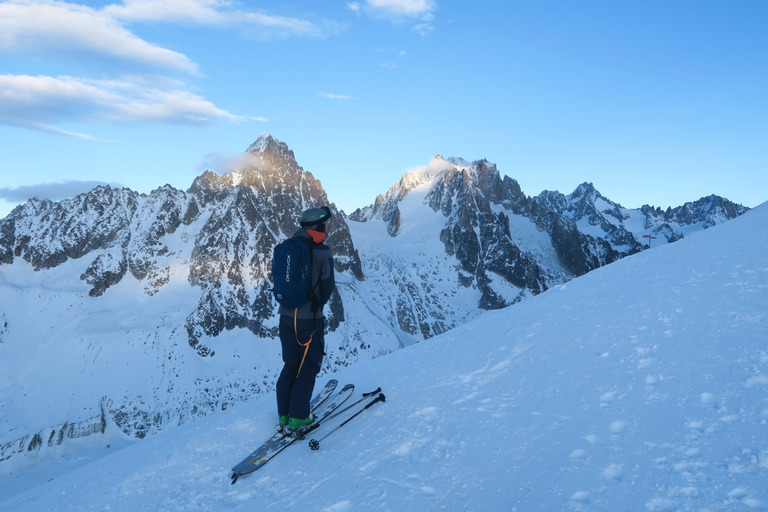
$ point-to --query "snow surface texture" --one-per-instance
(642, 385)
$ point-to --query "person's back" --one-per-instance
(302, 328)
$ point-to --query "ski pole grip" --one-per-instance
(380, 398)
(371, 393)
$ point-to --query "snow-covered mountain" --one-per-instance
(500, 245)
(640, 386)
(624, 228)
(130, 301)
(222, 230)
(151, 310)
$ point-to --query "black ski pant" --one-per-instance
(297, 381)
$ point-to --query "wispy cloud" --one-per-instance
(404, 8)
(52, 191)
(41, 102)
(393, 56)
(220, 163)
(418, 12)
(44, 26)
(338, 97)
(220, 13)
(203, 12)
(31, 27)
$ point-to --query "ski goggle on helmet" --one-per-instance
(315, 218)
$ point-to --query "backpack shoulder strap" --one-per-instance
(312, 286)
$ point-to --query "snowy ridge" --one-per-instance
(624, 389)
(385, 207)
(410, 279)
(625, 228)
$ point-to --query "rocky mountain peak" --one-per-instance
(585, 192)
(264, 143)
(416, 177)
(386, 206)
(268, 153)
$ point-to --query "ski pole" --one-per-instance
(365, 395)
(316, 424)
(314, 444)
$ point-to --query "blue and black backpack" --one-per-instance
(292, 272)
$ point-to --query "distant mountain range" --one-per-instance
(508, 245)
(185, 273)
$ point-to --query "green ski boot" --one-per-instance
(295, 425)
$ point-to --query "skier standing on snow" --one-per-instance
(302, 329)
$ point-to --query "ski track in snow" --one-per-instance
(640, 386)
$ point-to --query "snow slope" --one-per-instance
(410, 278)
(642, 385)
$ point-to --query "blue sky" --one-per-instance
(655, 102)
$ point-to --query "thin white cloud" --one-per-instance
(225, 163)
(29, 27)
(156, 103)
(47, 99)
(393, 55)
(339, 97)
(425, 27)
(204, 12)
(402, 8)
(47, 128)
(50, 100)
(52, 191)
(218, 13)
(419, 12)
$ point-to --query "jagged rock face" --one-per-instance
(119, 229)
(53, 437)
(586, 204)
(241, 217)
(709, 210)
(476, 203)
(577, 252)
(585, 230)
(480, 238)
